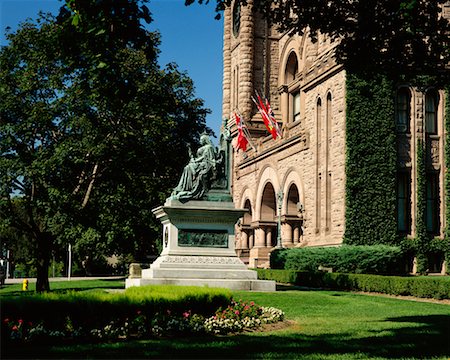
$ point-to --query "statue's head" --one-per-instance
(204, 139)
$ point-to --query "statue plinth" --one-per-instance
(198, 248)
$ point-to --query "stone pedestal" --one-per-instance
(198, 248)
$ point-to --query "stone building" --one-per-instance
(299, 181)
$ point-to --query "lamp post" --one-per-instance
(69, 270)
(279, 204)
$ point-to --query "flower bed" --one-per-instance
(238, 316)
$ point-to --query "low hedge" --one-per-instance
(376, 259)
(94, 309)
(424, 287)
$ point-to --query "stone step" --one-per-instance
(233, 284)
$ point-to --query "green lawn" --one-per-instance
(328, 325)
(79, 285)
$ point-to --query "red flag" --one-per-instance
(241, 141)
(267, 116)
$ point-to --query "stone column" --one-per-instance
(268, 237)
(260, 238)
(226, 98)
(244, 240)
(251, 240)
(296, 237)
(246, 50)
(284, 104)
(286, 234)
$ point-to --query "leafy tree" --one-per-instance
(93, 133)
(410, 36)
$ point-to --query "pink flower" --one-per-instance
(252, 303)
(15, 328)
(20, 321)
(6, 321)
(186, 314)
(138, 312)
(237, 312)
(246, 307)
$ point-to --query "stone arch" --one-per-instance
(292, 178)
(247, 200)
(267, 175)
(292, 47)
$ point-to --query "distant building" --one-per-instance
(307, 167)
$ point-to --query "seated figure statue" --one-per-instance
(197, 174)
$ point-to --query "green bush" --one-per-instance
(377, 259)
(95, 308)
(424, 287)
(278, 258)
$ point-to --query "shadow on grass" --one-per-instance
(420, 337)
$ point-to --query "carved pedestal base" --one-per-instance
(198, 249)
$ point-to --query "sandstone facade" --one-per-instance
(294, 187)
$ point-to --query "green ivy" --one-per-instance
(370, 161)
(447, 179)
(422, 238)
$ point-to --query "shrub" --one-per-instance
(377, 259)
(92, 309)
(424, 287)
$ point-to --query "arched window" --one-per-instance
(294, 101)
(328, 138)
(291, 68)
(404, 201)
(431, 118)
(318, 165)
(403, 110)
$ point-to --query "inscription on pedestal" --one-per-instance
(202, 238)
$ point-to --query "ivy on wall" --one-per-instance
(420, 244)
(370, 161)
(447, 179)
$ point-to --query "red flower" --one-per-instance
(20, 321)
(15, 328)
(6, 321)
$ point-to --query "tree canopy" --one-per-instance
(396, 36)
(93, 133)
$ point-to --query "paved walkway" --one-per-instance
(33, 280)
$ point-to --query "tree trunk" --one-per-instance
(44, 241)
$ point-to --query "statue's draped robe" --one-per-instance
(197, 174)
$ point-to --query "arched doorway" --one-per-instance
(268, 215)
(292, 220)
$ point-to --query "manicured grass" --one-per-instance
(328, 325)
(77, 285)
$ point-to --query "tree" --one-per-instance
(406, 36)
(88, 127)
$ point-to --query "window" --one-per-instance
(432, 206)
(403, 110)
(404, 202)
(431, 105)
(296, 106)
(236, 18)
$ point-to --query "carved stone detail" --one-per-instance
(202, 260)
(202, 238)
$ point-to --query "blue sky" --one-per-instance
(190, 36)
